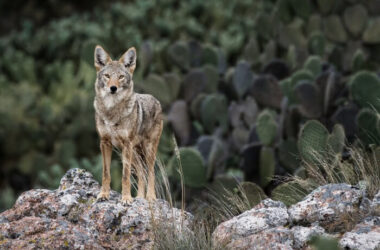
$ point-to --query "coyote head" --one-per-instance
(114, 77)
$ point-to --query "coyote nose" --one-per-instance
(113, 89)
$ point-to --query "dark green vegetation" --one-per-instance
(251, 89)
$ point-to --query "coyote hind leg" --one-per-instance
(138, 164)
(126, 196)
(150, 158)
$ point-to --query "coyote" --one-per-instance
(127, 120)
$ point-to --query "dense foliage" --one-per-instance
(250, 89)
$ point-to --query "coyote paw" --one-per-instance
(151, 198)
(126, 200)
(103, 196)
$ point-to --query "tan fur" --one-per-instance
(127, 120)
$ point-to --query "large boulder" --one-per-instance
(330, 205)
(375, 205)
(267, 214)
(365, 235)
(334, 208)
(70, 217)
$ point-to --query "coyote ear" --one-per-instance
(129, 59)
(101, 57)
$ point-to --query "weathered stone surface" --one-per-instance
(330, 208)
(70, 217)
(273, 238)
(375, 205)
(267, 214)
(329, 205)
(303, 234)
(365, 235)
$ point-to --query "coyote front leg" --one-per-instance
(126, 179)
(106, 148)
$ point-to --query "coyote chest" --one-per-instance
(129, 121)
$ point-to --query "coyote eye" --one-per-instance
(121, 77)
(107, 76)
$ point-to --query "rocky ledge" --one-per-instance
(338, 211)
(71, 218)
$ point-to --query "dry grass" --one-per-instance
(362, 168)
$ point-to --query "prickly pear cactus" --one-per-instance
(309, 98)
(179, 54)
(365, 89)
(214, 112)
(312, 141)
(156, 85)
(242, 79)
(266, 127)
(314, 65)
(253, 193)
(317, 43)
(289, 155)
(192, 166)
(291, 192)
(368, 123)
(336, 139)
(267, 165)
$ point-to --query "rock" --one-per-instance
(330, 205)
(302, 235)
(70, 217)
(267, 214)
(375, 205)
(365, 235)
(273, 238)
(270, 225)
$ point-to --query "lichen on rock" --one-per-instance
(324, 212)
(71, 217)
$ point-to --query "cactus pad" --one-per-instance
(312, 141)
(266, 127)
(193, 167)
(267, 165)
(365, 89)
